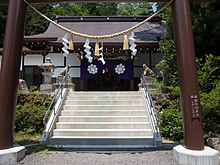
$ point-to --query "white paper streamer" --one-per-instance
(65, 43)
(132, 44)
(101, 54)
(87, 50)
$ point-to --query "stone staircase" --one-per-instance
(103, 121)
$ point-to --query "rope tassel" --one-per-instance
(125, 43)
(71, 45)
(97, 48)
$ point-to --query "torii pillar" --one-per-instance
(192, 121)
(193, 151)
(11, 59)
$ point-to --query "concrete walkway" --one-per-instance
(161, 157)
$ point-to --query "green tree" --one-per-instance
(36, 24)
(208, 72)
(3, 17)
(70, 9)
(101, 9)
(206, 27)
(210, 111)
(167, 46)
(134, 9)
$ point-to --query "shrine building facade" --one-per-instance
(106, 76)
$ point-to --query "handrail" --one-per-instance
(149, 100)
(55, 98)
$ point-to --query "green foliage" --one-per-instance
(134, 9)
(174, 91)
(101, 9)
(208, 72)
(3, 17)
(211, 111)
(34, 88)
(24, 138)
(30, 111)
(70, 9)
(171, 124)
(170, 119)
(206, 27)
(35, 24)
(167, 46)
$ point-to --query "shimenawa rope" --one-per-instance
(99, 36)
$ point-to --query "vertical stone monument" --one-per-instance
(47, 73)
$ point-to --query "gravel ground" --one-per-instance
(162, 157)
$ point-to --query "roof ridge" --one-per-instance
(105, 18)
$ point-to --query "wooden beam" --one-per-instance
(92, 1)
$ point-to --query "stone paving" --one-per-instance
(161, 157)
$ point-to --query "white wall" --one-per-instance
(74, 72)
(72, 59)
(33, 60)
(56, 58)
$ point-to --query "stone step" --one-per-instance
(107, 102)
(103, 119)
(102, 142)
(104, 97)
(103, 107)
(105, 93)
(103, 113)
(103, 125)
(102, 132)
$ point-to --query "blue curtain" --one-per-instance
(118, 68)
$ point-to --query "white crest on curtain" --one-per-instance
(92, 69)
(120, 69)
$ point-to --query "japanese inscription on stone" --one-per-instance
(195, 106)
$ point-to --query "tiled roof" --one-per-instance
(147, 33)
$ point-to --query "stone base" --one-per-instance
(12, 155)
(45, 87)
(184, 156)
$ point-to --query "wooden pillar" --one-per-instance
(81, 84)
(150, 58)
(131, 85)
(192, 120)
(12, 49)
(22, 71)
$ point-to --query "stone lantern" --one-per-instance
(47, 73)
